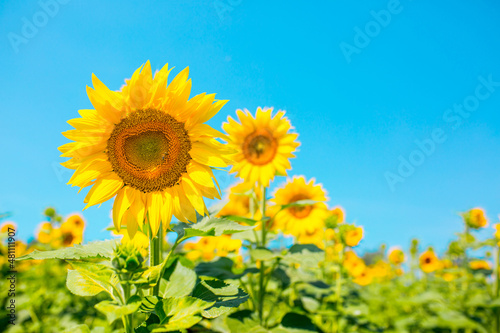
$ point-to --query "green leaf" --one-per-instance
(150, 276)
(244, 321)
(78, 329)
(241, 219)
(92, 250)
(178, 313)
(306, 255)
(115, 311)
(152, 320)
(225, 295)
(148, 304)
(264, 254)
(299, 203)
(89, 279)
(221, 269)
(181, 281)
(298, 323)
(208, 226)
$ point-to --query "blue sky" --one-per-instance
(358, 112)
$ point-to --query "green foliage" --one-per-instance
(208, 226)
(92, 250)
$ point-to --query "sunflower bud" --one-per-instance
(127, 259)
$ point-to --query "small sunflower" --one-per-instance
(243, 198)
(148, 146)
(365, 277)
(475, 218)
(396, 256)
(335, 217)
(8, 226)
(313, 236)
(264, 145)
(353, 236)
(44, 232)
(429, 262)
(479, 264)
(75, 222)
(497, 231)
(353, 264)
(297, 220)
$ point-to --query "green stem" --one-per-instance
(128, 320)
(466, 240)
(338, 289)
(496, 287)
(155, 254)
(262, 291)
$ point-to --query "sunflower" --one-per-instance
(353, 264)
(381, 269)
(243, 198)
(479, 264)
(313, 236)
(429, 262)
(264, 145)
(148, 145)
(44, 232)
(335, 217)
(365, 277)
(297, 220)
(353, 236)
(140, 241)
(8, 226)
(396, 256)
(74, 222)
(497, 231)
(475, 218)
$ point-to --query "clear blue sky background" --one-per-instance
(354, 118)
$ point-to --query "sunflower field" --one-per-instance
(254, 260)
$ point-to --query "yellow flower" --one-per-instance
(353, 264)
(476, 218)
(264, 145)
(207, 248)
(336, 216)
(479, 264)
(225, 244)
(330, 234)
(446, 263)
(497, 231)
(8, 226)
(381, 269)
(399, 271)
(396, 256)
(429, 262)
(297, 220)
(148, 145)
(448, 277)
(75, 223)
(365, 277)
(44, 232)
(312, 236)
(140, 241)
(241, 196)
(70, 237)
(354, 236)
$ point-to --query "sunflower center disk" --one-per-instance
(300, 211)
(260, 147)
(149, 150)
